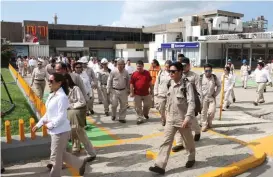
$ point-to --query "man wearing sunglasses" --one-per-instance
(211, 87)
(38, 79)
(194, 79)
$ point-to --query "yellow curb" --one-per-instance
(240, 167)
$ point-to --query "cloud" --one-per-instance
(138, 13)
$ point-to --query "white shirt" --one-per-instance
(56, 113)
(261, 75)
(32, 62)
(86, 82)
(111, 66)
(229, 82)
(244, 70)
(90, 64)
(268, 67)
(130, 69)
(96, 68)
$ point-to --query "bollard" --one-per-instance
(44, 131)
(222, 96)
(22, 130)
(7, 131)
(32, 124)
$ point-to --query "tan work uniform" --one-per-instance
(78, 82)
(232, 71)
(93, 82)
(160, 92)
(102, 83)
(244, 74)
(76, 115)
(178, 109)
(21, 65)
(49, 70)
(194, 79)
(210, 90)
(118, 85)
(38, 80)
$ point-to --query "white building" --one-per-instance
(208, 37)
(133, 52)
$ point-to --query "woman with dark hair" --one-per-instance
(58, 126)
(154, 70)
(76, 116)
(160, 90)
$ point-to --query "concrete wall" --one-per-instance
(132, 54)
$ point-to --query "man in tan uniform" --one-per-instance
(211, 87)
(180, 111)
(50, 68)
(38, 79)
(118, 85)
(93, 81)
(194, 79)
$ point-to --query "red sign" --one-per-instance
(40, 30)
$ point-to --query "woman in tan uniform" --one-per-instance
(38, 79)
(76, 115)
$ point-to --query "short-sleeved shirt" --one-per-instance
(141, 82)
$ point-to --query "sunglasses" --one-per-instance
(39, 64)
(207, 71)
(78, 67)
(172, 71)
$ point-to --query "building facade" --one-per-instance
(74, 40)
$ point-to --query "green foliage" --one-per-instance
(6, 53)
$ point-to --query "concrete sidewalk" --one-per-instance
(126, 157)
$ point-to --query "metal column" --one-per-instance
(226, 53)
(207, 48)
(250, 55)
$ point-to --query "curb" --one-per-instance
(239, 167)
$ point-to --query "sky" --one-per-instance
(126, 13)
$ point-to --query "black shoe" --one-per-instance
(3, 170)
(146, 117)
(234, 100)
(227, 106)
(264, 90)
(100, 102)
(163, 123)
(107, 113)
(140, 122)
(128, 107)
(177, 148)
(92, 112)
(82, 168)
(113, 118)
(255, 104)
(190, 164)
(197, 137)
(49, 166)
(90, 159)
(158, 170)
(122, 121)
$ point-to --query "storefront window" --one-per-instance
(258, 53)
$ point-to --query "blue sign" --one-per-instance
(19, 50)
(180, 45)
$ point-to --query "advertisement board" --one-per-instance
(20, 50)
(180, 45)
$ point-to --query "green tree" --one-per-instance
(6, 53)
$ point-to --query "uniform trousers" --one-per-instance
(142, 105)
(226, 98)
(99, 94)
(39, 87)
(59, 154)
(119, 97)
(260, 92)
(244, 81)
(165, 148)
(194, 127)
(105, 98)
(208, 111)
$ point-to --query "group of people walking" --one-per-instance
(178, 93)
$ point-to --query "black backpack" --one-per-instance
(197, 101)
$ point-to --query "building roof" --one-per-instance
(221, 12)
(170, 27)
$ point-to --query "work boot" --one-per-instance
(92, 112)
(190, 164)
(163, 123)
(233, 100)
(255, 103)
(107, 113)
(157, 169)
(177, 148)
(197, 137)
(140, 121)
(147, 117)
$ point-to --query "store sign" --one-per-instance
(180, 45)
(258, 45)
(41, 31)
(234, 46)
(74, 44)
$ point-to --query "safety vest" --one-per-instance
(153, 72)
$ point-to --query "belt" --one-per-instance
(104, 84)
(118, 89)
(39, 80)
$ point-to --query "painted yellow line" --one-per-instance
(265, 143)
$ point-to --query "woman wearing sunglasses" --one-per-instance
(58, 126)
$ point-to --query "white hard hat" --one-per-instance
(83, 60)
(104, 60)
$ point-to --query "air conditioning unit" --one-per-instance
(248, 36)
(201, 38)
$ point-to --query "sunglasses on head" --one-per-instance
(172, 71)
